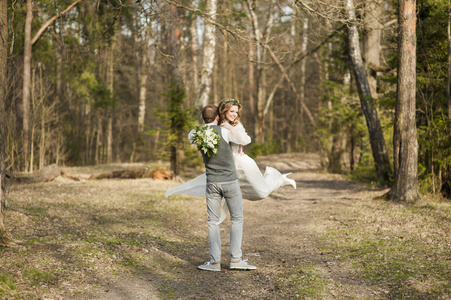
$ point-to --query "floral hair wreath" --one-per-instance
(234, 101)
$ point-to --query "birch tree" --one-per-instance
(373, 14)
(145, 59)
(405, 144)
(208, 55)
(377, 140)
(110, 110)
(261, 39)
(26, 85)
(303, 72)
(194, 49)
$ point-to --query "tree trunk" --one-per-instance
(448, 82)
(148, 61)
(377, 140)
(142, 100)
(99, 136)
(193, 32)
(175, 39)
(225, 66)
(109, 153)
(373, 16)
(258, 127)
(260, 57)
(110, 113)
(208, 57)
(405, 145)
(251, 72)
(300, 124)
(338, 139)
(32, 119)
(5, 236)
(26, 85)
(43, 117)
(141, 58)
(88, 136)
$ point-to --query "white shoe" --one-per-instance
(289, 180)
(242, 265)
(208, 266)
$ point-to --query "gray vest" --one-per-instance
(220, 167)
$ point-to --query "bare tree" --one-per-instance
(28, 43)
(302, 80)
(194, 49)
(175, 45)
(145, 57)
(26, 84)
(208, 56)
(373, 26)
(261, 39)
(110, 110)
(251, 55)
(5, 236)
(405, 144)
(377, 140)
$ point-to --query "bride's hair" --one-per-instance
(224, 106)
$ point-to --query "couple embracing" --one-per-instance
(230, 176)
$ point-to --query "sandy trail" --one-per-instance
(279, 236)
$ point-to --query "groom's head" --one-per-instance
(209, 113)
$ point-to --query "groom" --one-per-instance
(222, 182)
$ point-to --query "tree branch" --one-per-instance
(49, 22)
(290, 82)
(206, 17)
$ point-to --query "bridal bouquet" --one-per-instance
(207, 140)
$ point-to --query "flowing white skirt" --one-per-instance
(254, 185)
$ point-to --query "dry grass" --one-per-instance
(119, 239)
(405, 250)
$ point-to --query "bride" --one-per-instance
(254, 185)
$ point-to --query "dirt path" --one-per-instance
(279, 238)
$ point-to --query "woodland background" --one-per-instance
(94, 82)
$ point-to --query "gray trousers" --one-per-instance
(231, 192)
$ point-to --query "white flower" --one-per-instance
(207, 140)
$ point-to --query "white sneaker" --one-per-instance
(208, 266)
(242, 265)
(289, 180)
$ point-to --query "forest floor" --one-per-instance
(122, 239)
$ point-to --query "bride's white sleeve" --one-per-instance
(239, 136)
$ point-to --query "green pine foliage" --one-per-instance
(177, 121)
(434, 125)
(342, 131)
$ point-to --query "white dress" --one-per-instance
(254, 185)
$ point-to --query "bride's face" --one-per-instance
(232, 113)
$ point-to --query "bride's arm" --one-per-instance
(238, 135)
